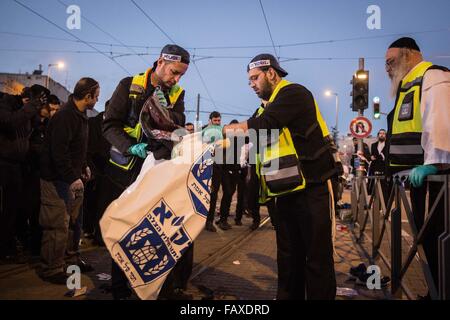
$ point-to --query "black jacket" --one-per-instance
(119, 114)
(98, 146)
(379, 164)
(63, 156)
(294, 108)
(16, 125)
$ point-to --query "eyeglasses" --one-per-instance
(255, 77)
(390, 63)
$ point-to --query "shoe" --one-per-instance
(254, 226)
(356, 272)
(179, 294)
(224, 225)
(57, 278)
(210, 227)
(238, 222)
(84, 266)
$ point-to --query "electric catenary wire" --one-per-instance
(268, 28)
(106, 32)
(72, 35)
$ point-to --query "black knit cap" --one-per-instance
(172, 52)
(405, 42)
(266, 60)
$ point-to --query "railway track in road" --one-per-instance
(227, 250)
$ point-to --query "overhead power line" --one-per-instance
(223, 104)
(222, 113)
(118, 54)
(230, 47)
(67, 32)
(105, 32)
(152, 21)
(204, 83)
(168, 37)
(268, 28)
(97, 43)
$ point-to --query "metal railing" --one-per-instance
(373, 207)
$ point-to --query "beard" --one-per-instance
(265, 92)
(263, 95)
(399, 73)
(166, 86)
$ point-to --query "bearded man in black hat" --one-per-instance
(130, 147)
(418, 135)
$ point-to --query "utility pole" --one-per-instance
(360, 173)
(197, 116)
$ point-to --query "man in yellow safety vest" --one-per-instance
(295, 169)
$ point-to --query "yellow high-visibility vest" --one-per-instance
(138, 88)
(278, 166)
(405, 147)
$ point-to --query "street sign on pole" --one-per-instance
(361, 127)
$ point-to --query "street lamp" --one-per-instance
(59, 65)
(329, 93)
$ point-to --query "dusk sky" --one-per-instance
(301, 31)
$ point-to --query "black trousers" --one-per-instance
(89, 204)
(283, 252)
(10, 198)
(232, 179)
(216, 181)
(305, 216)
(28, 229)
(250, 194)
(99, 193)
(178, 277)
(436, 226)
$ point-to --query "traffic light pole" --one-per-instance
(197, 114)
(359, 171)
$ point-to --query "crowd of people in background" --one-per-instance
(25, 122)
(59, 170)
(44, 151)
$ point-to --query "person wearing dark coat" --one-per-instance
(18, 114)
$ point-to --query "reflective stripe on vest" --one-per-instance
(405, 143)
(138, 88)
(278, 167)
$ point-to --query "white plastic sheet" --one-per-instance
(148, 228)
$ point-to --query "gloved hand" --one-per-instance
(160, 96)
(138, 150)
(212, 133)
(76, 188)
(245, 152)
(418, 174)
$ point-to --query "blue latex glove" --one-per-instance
(212, 133)
(162, 99)
(419, 174)
(138, 150)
